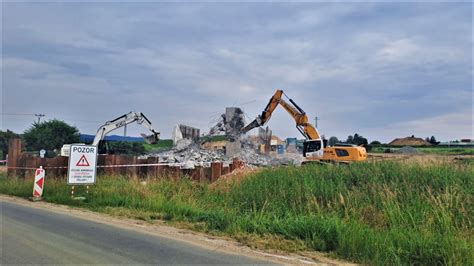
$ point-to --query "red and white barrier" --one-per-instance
(39, 183)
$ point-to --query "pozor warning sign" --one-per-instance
(82, 165)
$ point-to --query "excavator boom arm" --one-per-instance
(123, 120)
(266, 114)
(293, 109)
(313, 146)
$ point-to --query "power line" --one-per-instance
(43, 115)
(82, 121)
(19, 114)
(245, 103)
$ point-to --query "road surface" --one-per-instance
(36, 236)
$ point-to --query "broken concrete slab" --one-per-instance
(230, 124)
(233, 149)
(234, 121)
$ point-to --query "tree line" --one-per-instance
(53, 134)
(355, 139)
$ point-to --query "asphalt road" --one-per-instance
(35, 236)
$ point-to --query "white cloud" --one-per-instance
(353, 65)
(399, 50)
(26, 66)
(444, 127)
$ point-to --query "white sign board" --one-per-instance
(82, 165)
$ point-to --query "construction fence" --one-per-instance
(23, 165)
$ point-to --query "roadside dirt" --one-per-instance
(159, 228)
(235, 177)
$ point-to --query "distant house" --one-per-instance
(276, 141)
(409, 141)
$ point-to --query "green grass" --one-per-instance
(432, 150)
(166, 144)
(162, 144)
(447, 150)
(374, 213)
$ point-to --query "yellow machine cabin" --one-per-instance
(344, 153)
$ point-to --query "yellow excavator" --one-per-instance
(313, 147)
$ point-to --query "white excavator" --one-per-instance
(119, 122)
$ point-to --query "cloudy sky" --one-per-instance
(383, 70)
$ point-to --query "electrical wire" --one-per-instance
(18, 114)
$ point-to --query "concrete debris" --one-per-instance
(182, 144)
(177, 135)
(234, 121)
(230, 123)
(189, 132)
(189, 155)
(233, 149)
(252, 157)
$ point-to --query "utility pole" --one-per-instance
(125, 130)
(316, 121)
(39, 117)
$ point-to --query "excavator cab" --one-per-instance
(313, 148)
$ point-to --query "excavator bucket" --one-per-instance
(151, 139)
(255, 123)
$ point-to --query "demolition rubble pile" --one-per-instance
(188, 154)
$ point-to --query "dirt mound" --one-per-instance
(409, 141)
(234, 177)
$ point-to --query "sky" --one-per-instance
(382, 70)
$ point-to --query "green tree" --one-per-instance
(350, 140)
(359, 140)
(50, 135)
(5, 137)
(375, 142)
(333, 140)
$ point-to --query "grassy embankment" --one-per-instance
(166, 144)
(379, 213)
(163, 144)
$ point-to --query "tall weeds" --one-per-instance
(376, 213)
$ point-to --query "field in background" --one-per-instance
(430, 150)
(378, 213)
